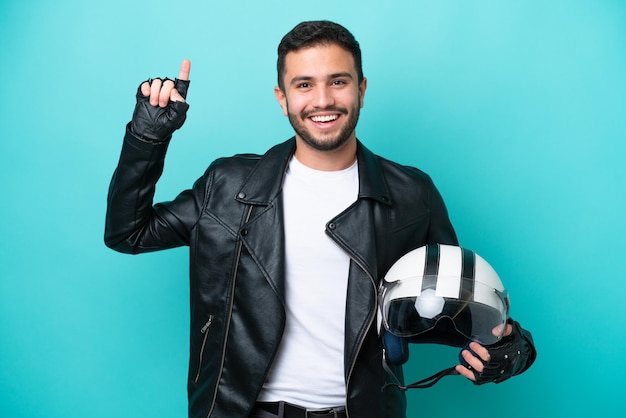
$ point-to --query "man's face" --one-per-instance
(322, 96)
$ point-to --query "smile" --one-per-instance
(324, 118)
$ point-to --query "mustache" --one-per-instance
(335, 109)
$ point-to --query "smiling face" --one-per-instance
(322, 98)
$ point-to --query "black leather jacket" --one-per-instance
(233, 223)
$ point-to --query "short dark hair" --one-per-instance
(313, 33)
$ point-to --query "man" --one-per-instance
(287, 248)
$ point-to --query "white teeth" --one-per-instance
(326, 118)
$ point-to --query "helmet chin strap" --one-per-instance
(420, 384)
(508, 357)
(396, 352)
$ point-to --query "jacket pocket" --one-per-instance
(205, 332)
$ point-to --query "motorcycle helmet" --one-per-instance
(441, 294)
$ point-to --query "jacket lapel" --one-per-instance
(263, 234)
(353, 229)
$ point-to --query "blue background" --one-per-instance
(515, 108)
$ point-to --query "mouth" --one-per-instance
(324, 118)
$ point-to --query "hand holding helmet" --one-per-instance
(449, 295)
(498, 362)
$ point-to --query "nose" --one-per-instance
(323, 97)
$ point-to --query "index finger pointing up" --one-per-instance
(185, 67)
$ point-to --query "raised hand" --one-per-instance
(161, 106)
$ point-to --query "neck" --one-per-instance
(332, 160)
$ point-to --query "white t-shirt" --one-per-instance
(309, 368)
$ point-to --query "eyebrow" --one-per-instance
(300, 78)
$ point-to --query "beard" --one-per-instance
(325, 142)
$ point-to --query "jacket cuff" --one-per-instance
(143, 143)
(529, 352)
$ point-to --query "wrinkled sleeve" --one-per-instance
(133, 223)
(440, 230)
(528, 351)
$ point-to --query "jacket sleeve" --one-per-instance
(528, 352)
(440, 230)
(133, 225)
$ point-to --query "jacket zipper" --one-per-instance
(230, 313)
(365, 334)
(205, 331)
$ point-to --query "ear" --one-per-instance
(282, 99)
(362, 88)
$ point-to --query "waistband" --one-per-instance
(288, 410)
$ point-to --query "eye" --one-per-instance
(339, 82)
(303, 85)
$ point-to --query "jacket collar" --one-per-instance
(266, 179)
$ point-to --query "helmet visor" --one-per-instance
(478, 312)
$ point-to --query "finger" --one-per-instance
(185, 68)
(464, 371)
(155, 91)
(182, 86)
(472, 361)
(480, 351)
(164, 94)
(175, 96)
(145, 88)
(497, 331)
